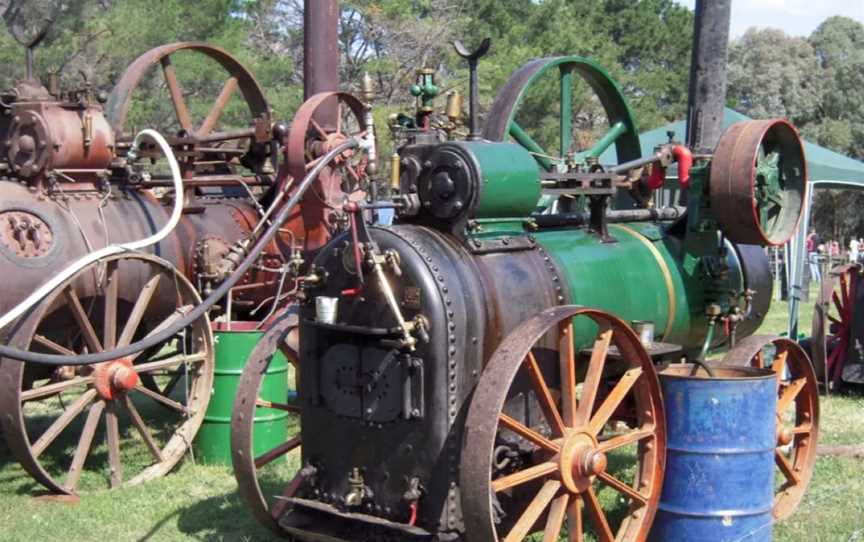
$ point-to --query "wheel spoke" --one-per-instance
(281, 504)
(786, 468)
(522, 137)
(139, 424)
(109, 318)
(84, 443)
(611, 136)
(790, 393)
(51, 345)
(218, 107)
(169, 362)
(277, 406)
(555, 518)
(321, 131)
(82, 320)
(339, 117)
(55, 388)
(527, 433)
(595, 512)
(532, 513)
(567, 361)
(138, 311)
(277, 452)
(176, 94)
(112, 434)
(841, 310)
(618, 393)
(844, 289)
(168, 322)
(523, 476)
(625, 439)
(759, 360)
(621, 487)
(779, 364)
(593, 378)
(62, 422)
(574, 520)
(803, 429)
(566, 96)
(544, 396)
(159, 398)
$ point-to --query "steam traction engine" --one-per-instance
(471, 373)
(71, 184)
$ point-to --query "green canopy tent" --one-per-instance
(826, 168)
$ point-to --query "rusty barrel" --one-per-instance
(233, 346)
(719, 483)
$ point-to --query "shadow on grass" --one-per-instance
(221, 517)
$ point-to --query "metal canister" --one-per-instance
(213, 442)
(719, 482)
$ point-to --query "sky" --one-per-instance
(795, 17)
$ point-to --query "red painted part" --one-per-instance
(684, 157)
(115, 378)
(412, 520)
(657, 177)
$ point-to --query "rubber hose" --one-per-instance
(212, 299)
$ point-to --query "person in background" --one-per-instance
(813, 260)
(854, 247)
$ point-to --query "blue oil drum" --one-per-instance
(719, 482)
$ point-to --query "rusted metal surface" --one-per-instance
(707, 96)
(280, 336)
(565, 453)
(758, 182)
(797, 412)
(79, 316)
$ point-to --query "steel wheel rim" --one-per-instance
(194, 367)
(246, 465)
(564, 494)
(797, 413)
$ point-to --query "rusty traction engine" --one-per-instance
(471, 373)
(70, 184)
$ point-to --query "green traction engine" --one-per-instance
(472, 372)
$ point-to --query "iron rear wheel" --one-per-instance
(833, 319)
(797, 413)
(147, 431)
(259, 475)
(538, 452)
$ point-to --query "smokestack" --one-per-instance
(708, 74)
(321, 54)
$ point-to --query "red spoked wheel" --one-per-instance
(322, 123)
(833, 318)
(261, 478)
(797, 413)
(542, 446)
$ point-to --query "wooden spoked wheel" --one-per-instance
(797, 413)
(552, 439)
(833, 319)
(265, 475)
(217, 117)
(131, 419)
(543, 108)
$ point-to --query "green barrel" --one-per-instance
(213, 443)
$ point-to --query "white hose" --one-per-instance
(110, 250)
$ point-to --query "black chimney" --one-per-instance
(708, 74)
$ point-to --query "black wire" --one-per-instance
(200, 310)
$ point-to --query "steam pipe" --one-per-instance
(707, 97)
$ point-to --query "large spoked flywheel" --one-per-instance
(563, 110)
(550, 443)
(127, 420)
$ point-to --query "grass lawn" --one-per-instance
(200, 502)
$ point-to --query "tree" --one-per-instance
(774, 75)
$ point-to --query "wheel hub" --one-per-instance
(115, 378)
(580, 461)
